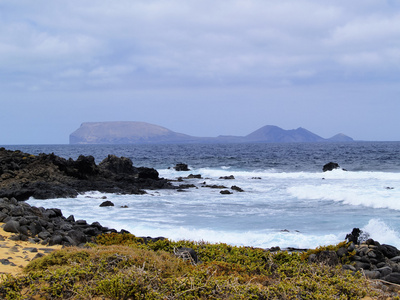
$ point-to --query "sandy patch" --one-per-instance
(14, 255)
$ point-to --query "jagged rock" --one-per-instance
(49, 176)
(330, 166)
(147, 173)
(118, 165)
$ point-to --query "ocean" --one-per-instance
(287, 200)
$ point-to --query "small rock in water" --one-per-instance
(236, 188)
(225, 192)
(227, 177)
(181, 167)
(106, 203)
(330, 166)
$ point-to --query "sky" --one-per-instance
(200, 67)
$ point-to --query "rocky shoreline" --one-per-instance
(46, 176)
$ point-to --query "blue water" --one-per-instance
(292, 203)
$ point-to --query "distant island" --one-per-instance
(146, 133)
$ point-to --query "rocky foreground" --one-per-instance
(46, 176)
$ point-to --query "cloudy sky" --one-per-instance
(200, 67)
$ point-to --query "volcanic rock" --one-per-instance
(181, 167)
(330, 166)
(49, 176)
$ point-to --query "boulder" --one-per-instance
(225, 192)
(330, 166)
(181, 167)
(106, 203)
(12, 226)
(329, 258)
(393, 277)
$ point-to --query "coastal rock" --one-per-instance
(227, 177)
(225, 192)
(330, 166)
(147, 173)
(181, 167)
(106, 203)
(194, 176)
(48, 176)
(236, 188)
(215, 186)
(329, 258)
(49, 226)
(12, 226)
(118, 165)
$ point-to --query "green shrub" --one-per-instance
(135, 270)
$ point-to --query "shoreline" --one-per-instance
(14, 255)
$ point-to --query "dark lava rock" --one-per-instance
(181, 167)
(236, 188)
(45, 176)
(330, 166)
(12, 226)
(194, 176)
(225, 192)
(227, 177)
(118, 165)
(106, 203)
(393, 277)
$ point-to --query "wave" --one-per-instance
(381, 232)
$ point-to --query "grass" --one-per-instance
(122, 266)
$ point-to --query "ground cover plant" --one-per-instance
(122, 266)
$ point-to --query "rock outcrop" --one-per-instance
(49, 176)
(360, 253)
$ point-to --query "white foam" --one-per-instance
(262, 239)
(381, 232)
(297, 200)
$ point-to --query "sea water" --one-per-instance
(287, 200)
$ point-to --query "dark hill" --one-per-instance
(276, 134)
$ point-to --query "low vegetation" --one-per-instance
(122, 266)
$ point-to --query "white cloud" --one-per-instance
(195, 42)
